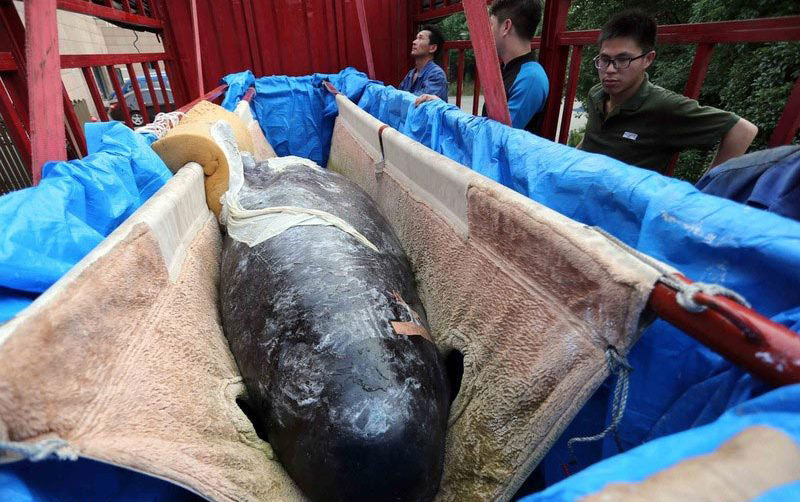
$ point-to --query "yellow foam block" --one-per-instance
(191, 141)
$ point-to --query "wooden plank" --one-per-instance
(48, 138)
(108, 13)
(486, 60)
(84, 60)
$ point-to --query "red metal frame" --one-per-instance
(572, 89)
(789, 123)
(83, 60)
(95, 92)
(109, 13)
(212, 95)
(362, 23)
(136, 92)
(745, 337)
(14, 124)
(112, 74)
(487, 61)
(48, 138)
(150, 88)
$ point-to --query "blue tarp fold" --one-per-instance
(48, 228)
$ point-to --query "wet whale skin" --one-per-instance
(353, 410)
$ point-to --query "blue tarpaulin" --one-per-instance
(676, 384)
(48, 228)
(779, 409)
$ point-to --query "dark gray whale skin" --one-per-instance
(353, 410)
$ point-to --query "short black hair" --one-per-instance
(634, 24)
(436, 38)
(524, 14)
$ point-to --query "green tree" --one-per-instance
(752, 80)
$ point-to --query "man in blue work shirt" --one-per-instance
(426, 77)
(513, 24)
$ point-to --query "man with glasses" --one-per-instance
(643, 124)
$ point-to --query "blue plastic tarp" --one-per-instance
(296, 114)
(779, 409)
(84, 481)
(676, 383)
(48, 228)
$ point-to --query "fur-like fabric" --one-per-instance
(530, 298)
(744, 467)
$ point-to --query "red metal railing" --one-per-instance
(30, 66)
(561, 52)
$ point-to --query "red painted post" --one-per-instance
(112, 73)
(486, 60)
(362, 23)
(702, 57)
(572, 88)
(789, 123)
(150, 88)
(164, 93)
(48, 138)
(197, 58)
(553, 57)
(126, 5)
(74, 125)
(95, 92)
(460, 77)
(137, 91)
(476, 93)
(446, 63)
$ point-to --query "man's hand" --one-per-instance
(425, 97)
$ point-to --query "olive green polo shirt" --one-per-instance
(652, 125)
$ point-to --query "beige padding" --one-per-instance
(746, 466)
(531, 298)
(190, 141)
(128, 363)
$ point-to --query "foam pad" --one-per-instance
(190, 141)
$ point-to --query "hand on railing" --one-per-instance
(425, 98)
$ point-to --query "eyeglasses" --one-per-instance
(620, 63)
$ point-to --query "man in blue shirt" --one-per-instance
(514, 24)
(426, 77)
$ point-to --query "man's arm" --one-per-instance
(736, 141)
